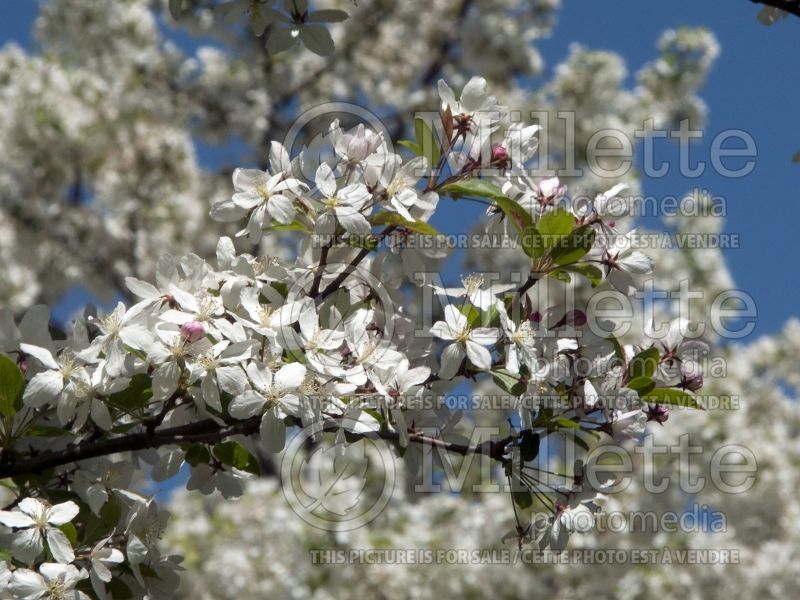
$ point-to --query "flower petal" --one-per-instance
(455, 319)
(15, 518)
(325, 180)
(44, 388)
(247, 404)
(63, 513)
(165, 381)
(290, 377)
(352, 220)
(59, 546)
(451, 361)
(281, 209)
(43, 355)
(27, 544)
(485, 336)
(273, 431)
(478, 355)
(27, 584)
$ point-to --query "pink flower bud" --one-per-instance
(22, 362)
(500, 157)
(192, 331)
(499, 154)
(357, 147)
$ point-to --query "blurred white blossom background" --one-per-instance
(120, 128)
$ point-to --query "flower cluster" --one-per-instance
(116, 88)
(212, 364)
(763, 537)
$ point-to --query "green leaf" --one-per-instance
(476, 188)
(426, 142)
(413, 146)
(318, 39)
(514, 212)
(367, 242)
(671, 397)
(376, 414)
(528, 445)
(618, 350)
(574, 246)
(508, 382)
(581, 442)
(233, 454)
(480, 188)
(295, 225)
(198, 454)
(473, 314)
(566, 423)
(136, 396)
(71, 533)
(279, 287)
(148, 571)
(641, 385)
(11, 383)
(522, 498)
(327, 15)
(644, 364)
(591, 272)
(119, 589)
(387, 217)
(110, 515)
(351, 437)
(555, 225)
(561, 275)
(47, 431)
(532, 242)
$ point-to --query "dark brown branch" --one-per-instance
(323, 261)
(210, 431)
(789, 6)
(529, 283)
(362, 254)
(517, 302)
(207, 430)
(442, 53)
(75, 194)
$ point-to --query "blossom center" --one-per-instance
(472, 283)
(56, 590)
(264, 192)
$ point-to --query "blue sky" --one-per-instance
(754, 86)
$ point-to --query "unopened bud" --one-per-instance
(192, 331)
(22, 362)
(499, 155)
(357, 147)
